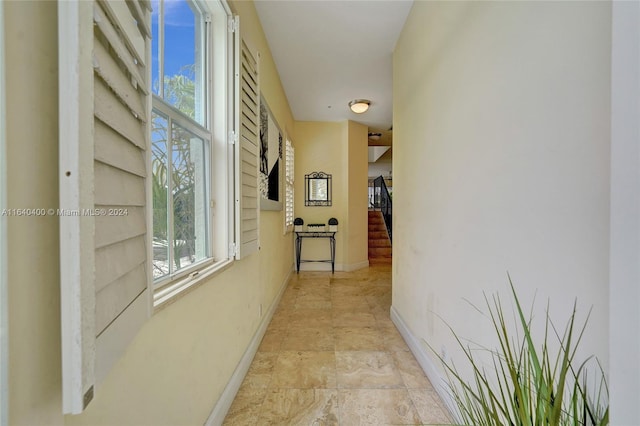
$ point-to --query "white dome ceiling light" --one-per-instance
(375, 136)
(359, 105)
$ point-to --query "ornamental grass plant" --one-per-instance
(528, 383)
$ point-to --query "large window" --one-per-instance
(188, 158)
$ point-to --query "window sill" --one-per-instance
(169, 293)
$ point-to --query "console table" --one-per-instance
(319, 234)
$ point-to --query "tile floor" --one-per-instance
(332, 356)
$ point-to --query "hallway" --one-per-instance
(332, 356)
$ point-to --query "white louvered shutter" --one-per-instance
(289, 185)
(247, 125)
(103, 166)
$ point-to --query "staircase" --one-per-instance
(379, 243)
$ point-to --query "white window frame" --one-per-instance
(219, 80)
(174, 116)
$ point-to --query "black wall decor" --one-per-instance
(270, 159)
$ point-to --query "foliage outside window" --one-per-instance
(180, 139)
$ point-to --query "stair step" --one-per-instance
(379, 251)
(379, 242)
(374, 235)
(379, 260)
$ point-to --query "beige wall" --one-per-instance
(340, 149)
(32, 157)
(501, 164)
(322, 147)
(178, 365)
(357, 247)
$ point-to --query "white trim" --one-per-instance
(164, 295)
(270, 205)
(4, 324)
(624, 278)
(355, 266)
(311, 266)
(223, 404)
(421, 353)
(149, 178)
(75, 160)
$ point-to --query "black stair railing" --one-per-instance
(382, 201)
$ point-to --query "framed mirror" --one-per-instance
(317, 189)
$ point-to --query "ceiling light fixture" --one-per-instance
(374, 136)
(359, 105)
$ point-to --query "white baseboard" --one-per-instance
(319, 266)
(422, 355)
(223, 404)
(355, 266)
(325, 266)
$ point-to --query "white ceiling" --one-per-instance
(330, 52)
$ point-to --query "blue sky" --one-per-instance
(179, 47)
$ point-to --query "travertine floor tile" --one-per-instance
(430, 412)
(376, 407)
(313, 301)
(412, 374)
(312, 339)
(358, 339)
(304, 370)
(353, 319)
(347, 290)
(246, 407)
(300, 407)
(311, 279)
(365, 370)
(280, 319)
(308, 318)
(315, 289)
(272, 340)
(332, 356)
(350, 303)
(261, 370)
(394, 342)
